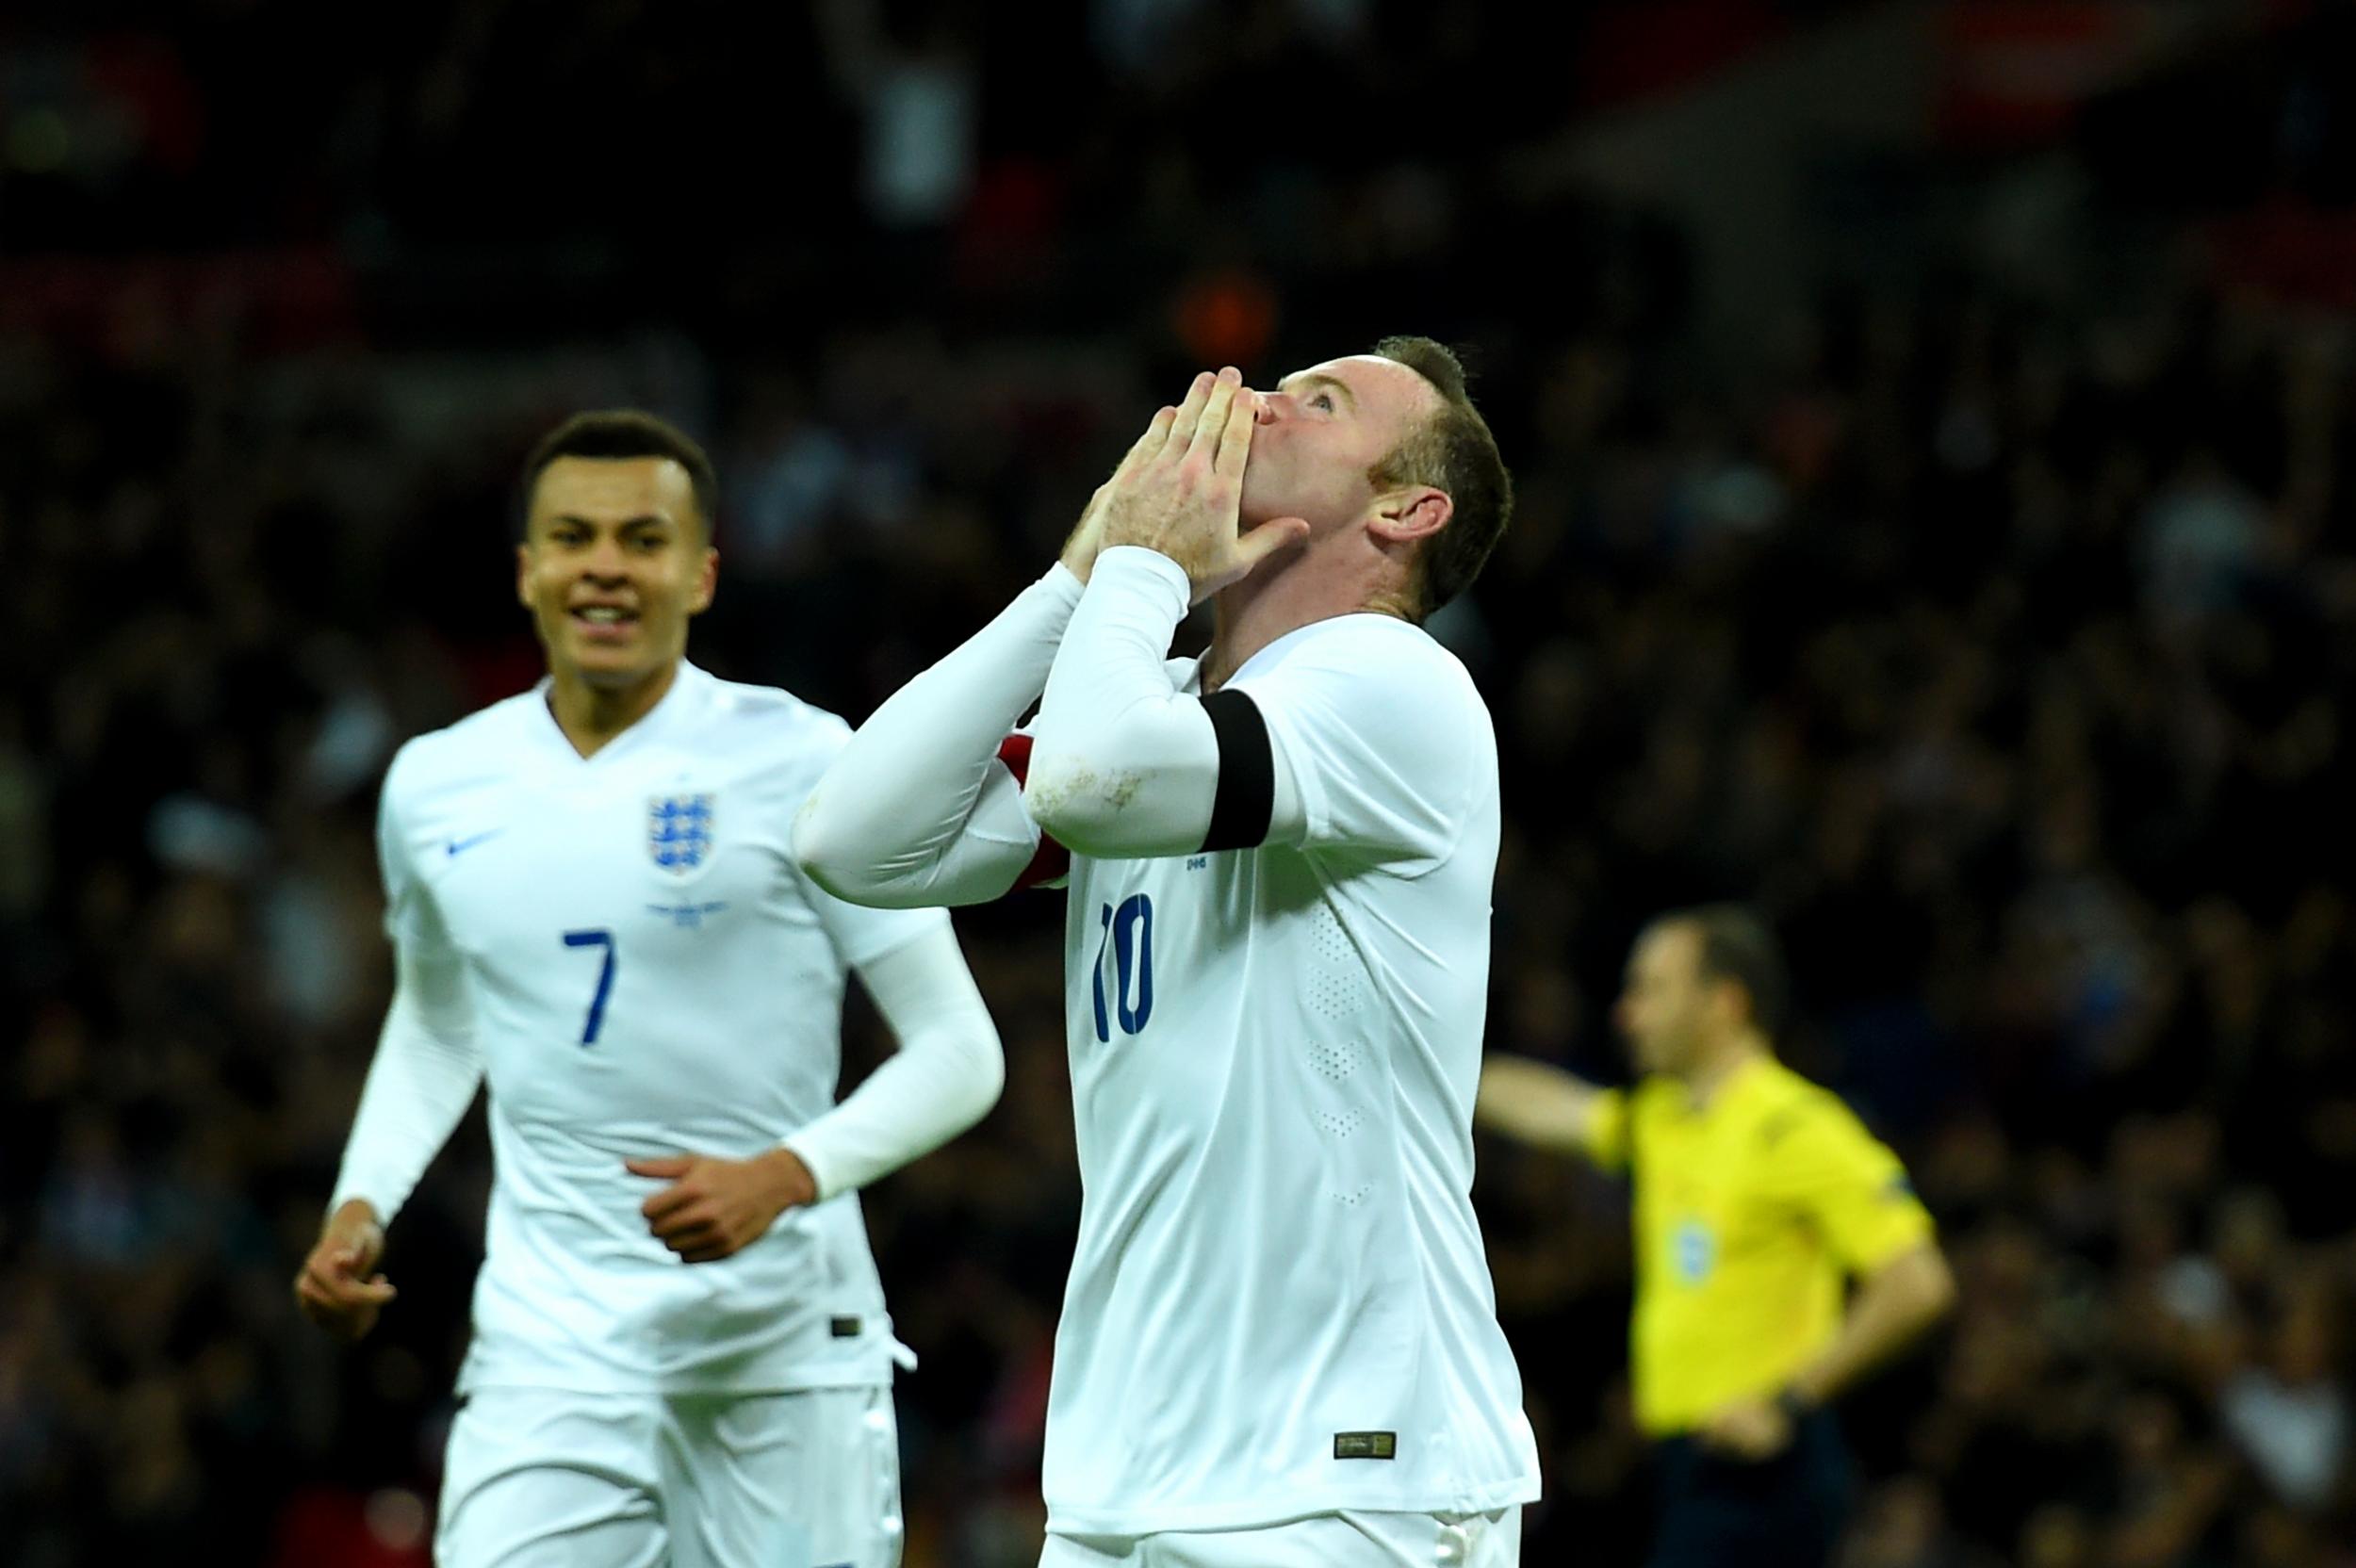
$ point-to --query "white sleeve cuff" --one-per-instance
(1134, 568)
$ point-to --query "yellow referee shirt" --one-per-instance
(1751, 1213)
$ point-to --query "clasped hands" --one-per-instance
(1180, 492)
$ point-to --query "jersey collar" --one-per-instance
(1275, 651)
(690, 689)
(1735, 1087)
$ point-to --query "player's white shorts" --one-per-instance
(1345, 1540)
(542, 1479)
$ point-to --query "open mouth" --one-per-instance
(604, 623)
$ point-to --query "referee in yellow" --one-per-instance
(1759, 1197)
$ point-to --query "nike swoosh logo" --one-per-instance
(460, 847)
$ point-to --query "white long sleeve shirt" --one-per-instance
(623, 948)
(1279, 1304)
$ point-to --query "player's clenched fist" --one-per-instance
(1181, 489)
(715, 1208)
(339, 1288)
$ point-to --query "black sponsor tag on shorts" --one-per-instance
(1366, 1445)
(843, 1328)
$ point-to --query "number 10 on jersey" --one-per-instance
(1128, 939)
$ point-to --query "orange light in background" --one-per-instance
(1226, 316)
(2014, 73)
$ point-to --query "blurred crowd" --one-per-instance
(2003, 661)
(1997, 645)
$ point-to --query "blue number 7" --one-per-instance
(605, 979)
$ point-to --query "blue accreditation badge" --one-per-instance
(1693, 1250)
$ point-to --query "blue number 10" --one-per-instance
(1129, 932)
(605, 979)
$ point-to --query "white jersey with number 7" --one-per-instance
(648, 974)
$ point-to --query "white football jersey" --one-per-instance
(649, 975)
(1280, 1304)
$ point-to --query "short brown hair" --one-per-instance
(1738, 946)
(1453, 453)
(616, 434)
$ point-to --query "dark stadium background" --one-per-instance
(1933, 424)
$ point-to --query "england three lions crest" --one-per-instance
(679, 832)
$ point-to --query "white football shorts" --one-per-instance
(1351, 1539)
(544, 1478)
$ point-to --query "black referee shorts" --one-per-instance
(1722, 1512)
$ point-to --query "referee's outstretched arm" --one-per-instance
(1536, 1103)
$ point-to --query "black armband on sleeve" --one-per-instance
(1247, 773)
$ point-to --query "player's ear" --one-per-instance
(1730, 1001)
(707, 583)
(1416, 513)
(523, 575)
